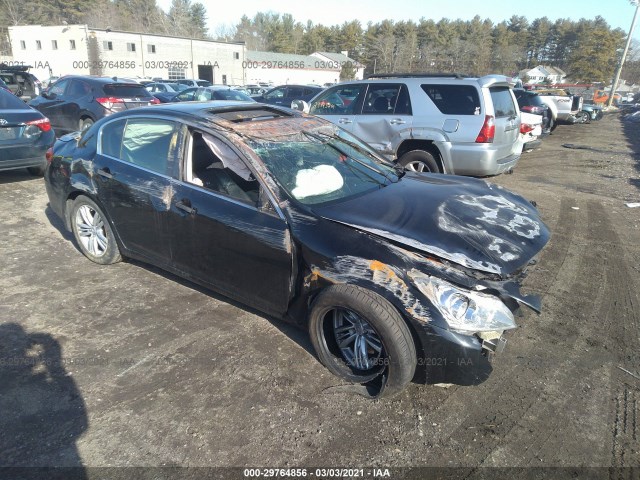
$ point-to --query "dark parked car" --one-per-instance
(285, 94)
(205, 94)
(77, 102)
(4, 86)
(530, 102)
(22, 83)
(396, 275)
(25, 135)
(165, 91)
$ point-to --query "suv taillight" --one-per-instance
(526, 128)
(488, 130)
(532, 109)
(107, 102)
(43, 124)
(154, 101)
(49, 155)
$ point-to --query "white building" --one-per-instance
(81, 50)
(285, 68)
(543, 73)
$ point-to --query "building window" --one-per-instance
(107, 45)
(236, 55)
(54, 44)
(38, 45)
(224, 79)
(72, 44)
(131, 47)
(175, 73)
(151, 48)
(23, 45)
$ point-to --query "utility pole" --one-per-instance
(614, 85)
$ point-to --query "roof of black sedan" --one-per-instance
(241, 117)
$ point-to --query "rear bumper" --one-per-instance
(482, 162)
(26, 155)
(532, 144)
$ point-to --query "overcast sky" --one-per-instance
(618, 13)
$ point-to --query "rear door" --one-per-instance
(134, 172)
(76, 97)
(386, 112)
(507, 121)
(53, 106)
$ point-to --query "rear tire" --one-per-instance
(552, 124)
(583, 117)
(85, 123)
(360, 337)
(419, 161)
(93, 233)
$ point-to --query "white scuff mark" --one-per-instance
(575, 208)
(633, 205)
(135, 365)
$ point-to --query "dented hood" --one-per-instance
(467, 221)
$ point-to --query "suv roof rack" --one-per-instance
(14, 68)
(414, 75)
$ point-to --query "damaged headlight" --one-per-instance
(465, 311)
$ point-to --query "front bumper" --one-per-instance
(448, 357)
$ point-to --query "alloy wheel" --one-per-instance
(357, 340)
(91, 230)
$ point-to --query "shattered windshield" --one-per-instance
(316, 167)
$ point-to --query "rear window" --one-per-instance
(231, 95)
(126, 91)
(454, 99)
(502, 102)
(9, 101)
(203, 83)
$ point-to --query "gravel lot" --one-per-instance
(126, 365)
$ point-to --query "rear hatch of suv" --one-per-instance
(125, 96)
(506, 118)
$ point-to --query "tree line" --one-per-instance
(586, 49)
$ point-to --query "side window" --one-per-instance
(59, 87)
(454, 99)
(203, 95)
(403, 104)
(111, 138)
(151, 144)
(502, 102)
(78, 88)
(187, 95)
(217, 167)
(276, 93)
(340, 100)
(381, 99)
(294, 92)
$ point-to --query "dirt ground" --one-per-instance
(128, 366)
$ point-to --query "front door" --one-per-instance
(223, 234)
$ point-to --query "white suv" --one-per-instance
(437, 123)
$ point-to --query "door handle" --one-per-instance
(185, 205)
(105, 172)
(345, 120)
(397, 121)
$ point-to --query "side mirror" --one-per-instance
(300, 105)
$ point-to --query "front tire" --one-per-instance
(93, 233)
(583, 117)
(419, 161)
(360, 337)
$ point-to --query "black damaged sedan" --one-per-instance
(396, 275)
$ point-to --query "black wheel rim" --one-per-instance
(356, 341)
